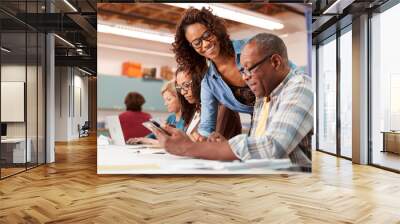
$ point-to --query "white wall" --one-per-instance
(80, 118)
(33, 127)
(296, 42)
(109, 61)
(61, 103)
(16, 73)
(68, 81)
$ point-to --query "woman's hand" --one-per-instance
(216, 137)
(133, 141)
(196, 137)
(150, 141)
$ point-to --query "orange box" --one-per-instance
(132, 69)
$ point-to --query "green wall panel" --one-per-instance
(111, 92)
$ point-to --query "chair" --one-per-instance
(84, 130)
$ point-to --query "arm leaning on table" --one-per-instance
(287, 127)
(209, 110)
(180, 144)
(291, 123)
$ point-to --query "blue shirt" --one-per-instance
(171, 120)
(215, 90)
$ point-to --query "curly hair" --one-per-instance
(185, 55)
(134, 101)
(189, 109)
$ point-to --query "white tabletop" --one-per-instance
(112, 159)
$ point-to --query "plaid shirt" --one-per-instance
(289, 124)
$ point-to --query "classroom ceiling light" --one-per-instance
(136, 50)
(65, 41)
(5, 49)
(236, 14)
(70, 5)
(135, 32)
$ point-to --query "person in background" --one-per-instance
(188, 88)
(173, 104)
(131, 120)
(171, 101)
(283, 112)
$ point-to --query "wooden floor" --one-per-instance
(10, 171)
(70, 191)
(387, 159)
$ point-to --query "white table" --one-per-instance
(112, 159)
(18, 149)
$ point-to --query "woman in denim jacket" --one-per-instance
(202, 41)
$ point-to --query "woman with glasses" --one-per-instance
(202, 42)
(188, 89)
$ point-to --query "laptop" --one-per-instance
(115, 130)
(117, 136)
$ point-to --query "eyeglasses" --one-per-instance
(247, 72)
(197, 43)
(185, 86)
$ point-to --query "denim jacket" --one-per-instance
(215, 90)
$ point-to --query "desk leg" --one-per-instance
(384, 143)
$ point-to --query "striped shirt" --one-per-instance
(289, 124)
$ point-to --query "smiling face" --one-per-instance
(172, 102)
(182, 80)
(209, 45)
(262, 79)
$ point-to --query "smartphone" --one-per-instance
(154, 125)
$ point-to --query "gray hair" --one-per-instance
(270, 44)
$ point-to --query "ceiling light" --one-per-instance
(236, 14)
(136, 32)
(70, 5)
(338, 6)
(5, 50)
(65, 41)
(284, 35)
(136, 50)
(84, 71)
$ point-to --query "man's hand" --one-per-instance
(178, 143)
(216, 137)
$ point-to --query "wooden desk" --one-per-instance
(13, 150)
(391, 141)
